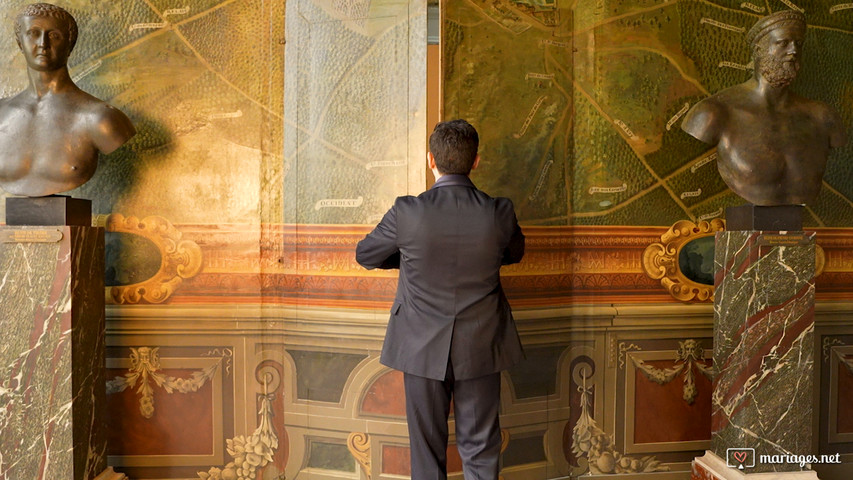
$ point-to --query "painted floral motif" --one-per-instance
(250, 453)
(688, 356)
(589, 440)
(145, 366)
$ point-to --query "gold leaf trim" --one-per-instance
(660, 260)
(358, 444)
(180, 259)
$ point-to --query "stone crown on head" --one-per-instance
(773, 21)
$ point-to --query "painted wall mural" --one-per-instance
(242, 337)
(580, 102)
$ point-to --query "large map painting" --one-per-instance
(579, 104)
(355, 100)
(202, 82)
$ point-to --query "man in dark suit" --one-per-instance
(451, 329)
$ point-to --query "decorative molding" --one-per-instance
(110, 474)
(313, 265)
(590, 441)
(145, 363)
(828, 342)
(660, 260)
(180, 259)
(504, 443)
(623, 349)
(841, 360)
(358, 444)
(845, 359)
(688, 357)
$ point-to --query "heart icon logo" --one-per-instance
(740, 456)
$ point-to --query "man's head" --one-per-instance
(46, 10)
(453, 145)
(776, 41)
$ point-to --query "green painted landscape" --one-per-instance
(579, 103)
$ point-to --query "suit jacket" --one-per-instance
(449, 244)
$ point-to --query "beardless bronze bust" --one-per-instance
(52, 132)
(772, 144)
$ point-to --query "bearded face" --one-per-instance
(778, 72)
(777, 55)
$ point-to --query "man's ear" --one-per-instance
(476, 162)
(431, 160)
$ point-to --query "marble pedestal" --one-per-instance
(52, 390)
(763, 354)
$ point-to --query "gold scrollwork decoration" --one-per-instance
(180, 259)
(358, 444)
(660, 260)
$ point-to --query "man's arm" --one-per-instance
(515, 248)
(379, 248)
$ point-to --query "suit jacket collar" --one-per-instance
(454, 180)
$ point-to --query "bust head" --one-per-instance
(776, 43)
(58, 16)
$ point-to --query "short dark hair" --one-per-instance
(47, 10)
(454, 145)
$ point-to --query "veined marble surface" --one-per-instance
(763, 329)
(51, 356)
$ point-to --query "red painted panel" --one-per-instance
(386, 396)
(700, 473)
(166, 432)
(396, 461)
(845, 400)
(662, 415)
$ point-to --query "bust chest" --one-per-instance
(45, 142)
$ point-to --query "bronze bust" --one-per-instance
(51, 133)
(772, 144)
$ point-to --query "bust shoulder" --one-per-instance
(110, 128)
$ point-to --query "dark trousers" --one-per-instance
(476, 404)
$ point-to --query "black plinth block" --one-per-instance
(756, 217)
(52, 210)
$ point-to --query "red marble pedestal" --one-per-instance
(763, 356)
(52, 389)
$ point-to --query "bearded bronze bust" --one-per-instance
(772, 144)
(51, 133)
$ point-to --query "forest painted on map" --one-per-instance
(579, 103)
